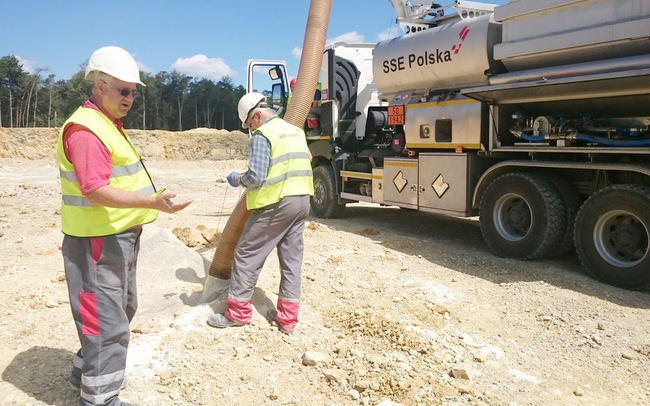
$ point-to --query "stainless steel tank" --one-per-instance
(453, 55)
(546, 33)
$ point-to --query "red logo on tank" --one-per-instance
(462, 35)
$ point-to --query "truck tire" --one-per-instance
(572, 202)
(324, 203)
(613, 235)
(522, 216)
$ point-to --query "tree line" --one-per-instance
(169, 101)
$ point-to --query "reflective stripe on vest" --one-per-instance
(290, 172)
(80, 218)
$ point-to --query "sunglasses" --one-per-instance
(124, 92)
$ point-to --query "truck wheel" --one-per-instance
(613, 235)
(324, 203)
(522, 216)
(572, 202)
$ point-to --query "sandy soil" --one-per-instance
(398, 307)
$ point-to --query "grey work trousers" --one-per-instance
(103, 298)
(279, 225)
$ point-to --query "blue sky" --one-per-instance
(200, 38)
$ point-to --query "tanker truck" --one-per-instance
(533, 115)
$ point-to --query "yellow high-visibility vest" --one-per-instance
(78, 217)
(290, 172)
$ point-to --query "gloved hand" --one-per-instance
(231, 179)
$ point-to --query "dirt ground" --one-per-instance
(398, 307)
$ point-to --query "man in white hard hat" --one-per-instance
(107, 195)
(278, 185)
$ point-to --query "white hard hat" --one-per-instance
(114, 61)
(247, 103)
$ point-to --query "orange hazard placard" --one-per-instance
(396, 115)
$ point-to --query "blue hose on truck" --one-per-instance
(645, 142)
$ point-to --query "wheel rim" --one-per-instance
(319, 193)
(621, 238)
(512, 217)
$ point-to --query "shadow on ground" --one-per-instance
(41, 373)
(457, 243)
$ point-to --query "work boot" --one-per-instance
(219, 320)
(271, 316)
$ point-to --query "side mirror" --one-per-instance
(274, 73)
(278, 99)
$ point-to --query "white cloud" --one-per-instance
(349, 37)
(143, 68)
(389, 33)
(27, 65)
(201, 66)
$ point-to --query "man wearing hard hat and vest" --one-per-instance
(107, 195)
(278, 185)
